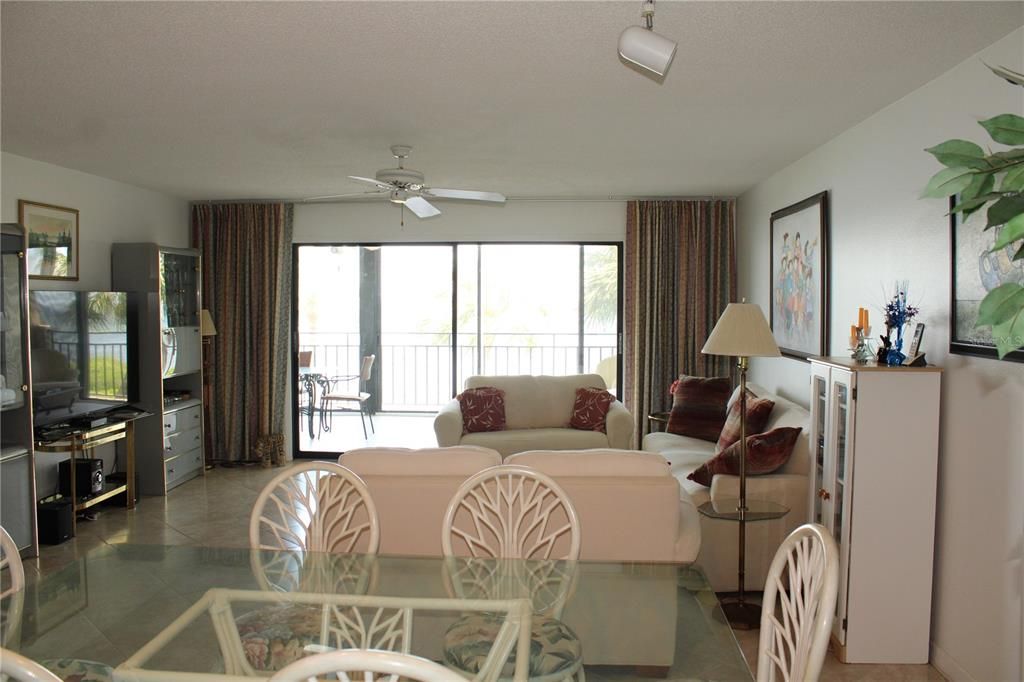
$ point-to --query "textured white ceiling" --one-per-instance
(208, 100)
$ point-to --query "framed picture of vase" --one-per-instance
(51, 240)
(799, 314)
(976, 270)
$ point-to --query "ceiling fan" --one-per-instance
(405, 186)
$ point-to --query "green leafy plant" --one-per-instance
(995, 180)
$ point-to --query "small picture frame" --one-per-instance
(915, 343)
(51, 240)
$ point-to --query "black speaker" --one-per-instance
(54, 520)
(88, 477)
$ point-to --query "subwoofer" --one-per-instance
(88, 477)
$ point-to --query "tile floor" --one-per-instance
(214, 511)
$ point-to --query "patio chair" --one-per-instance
(307, 385)
(333, 395)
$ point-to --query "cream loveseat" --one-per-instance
(537, 413)
(787, 486)
(629, 507)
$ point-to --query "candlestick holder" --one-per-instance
(860, 351)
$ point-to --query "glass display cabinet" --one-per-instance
(164, 301)
(874, 435)
(17, 467)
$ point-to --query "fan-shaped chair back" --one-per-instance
(12, 592)
(369, 665)
(513, 512)
(10, 559)
(20, 669)
(799, 606)
(317, 507)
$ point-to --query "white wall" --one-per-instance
(108, 211)
(514, 221)
(882, 232)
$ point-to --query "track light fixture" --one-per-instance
(641, 46)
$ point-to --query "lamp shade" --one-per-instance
(742, 331)
(647, 49)
(206, 327)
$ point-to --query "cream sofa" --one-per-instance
(630, 496)
(537, 413)
(787, 486)
(630, 508)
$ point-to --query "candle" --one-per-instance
(864, 324)
(853, 335)
(860, 318)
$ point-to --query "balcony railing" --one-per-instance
(107, 368)
(416, 372)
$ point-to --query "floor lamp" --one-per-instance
(743, 333)
(207, 330)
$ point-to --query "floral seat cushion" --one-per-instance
(274, 636)
(77, 670)
(554, 648)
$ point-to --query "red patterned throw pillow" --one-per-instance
(758, 412)
(766, 452)
(483, 409)
(698, 406)
(590, 409)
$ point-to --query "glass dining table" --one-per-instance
(153, 612)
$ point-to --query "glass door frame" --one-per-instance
(293, 380)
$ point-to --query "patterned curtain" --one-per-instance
(247, 282)
(680, 274)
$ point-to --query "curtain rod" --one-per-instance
(523, 198)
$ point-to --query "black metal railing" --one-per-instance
(416, 372)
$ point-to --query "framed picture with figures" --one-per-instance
(975, 270)
(799, 313)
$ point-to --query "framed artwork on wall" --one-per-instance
(51, 240)
(799, 277)
(976, 270)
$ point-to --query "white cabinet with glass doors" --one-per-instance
(874, 435)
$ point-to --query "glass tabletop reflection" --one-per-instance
(229, 613)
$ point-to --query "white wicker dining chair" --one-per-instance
(21, 669)
(799, 606)
(10, 559)
(370, 665)
(12, 590)
(316, 507)
(512, 512)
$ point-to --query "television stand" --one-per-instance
(81, 443)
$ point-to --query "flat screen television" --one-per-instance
(83, 363)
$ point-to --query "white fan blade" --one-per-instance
(465, 194)
(371, 181)
(421, 207)
(331, 197)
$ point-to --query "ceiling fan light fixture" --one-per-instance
(398, 196)
(641, 46)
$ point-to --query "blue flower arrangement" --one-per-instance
(898, 314)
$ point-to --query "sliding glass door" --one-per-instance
(434, 314)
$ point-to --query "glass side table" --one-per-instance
(660, 418)
(741, 614)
